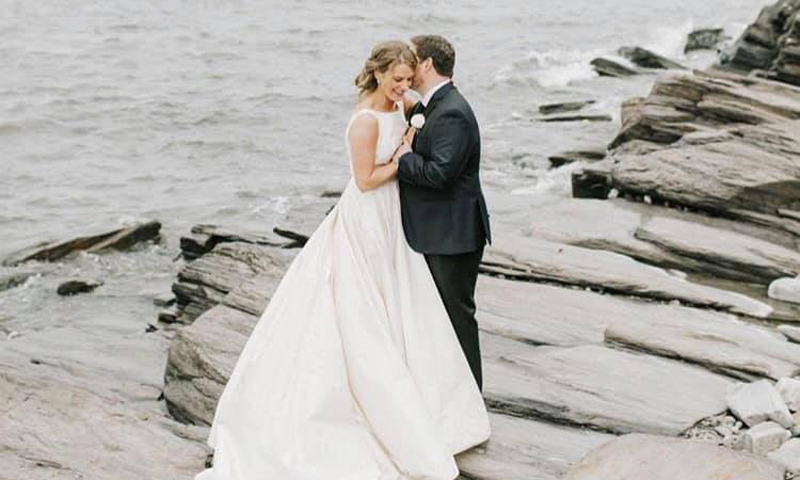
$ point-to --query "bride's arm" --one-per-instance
(363, 140)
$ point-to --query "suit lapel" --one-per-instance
(435, 99)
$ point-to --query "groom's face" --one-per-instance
(419, 71)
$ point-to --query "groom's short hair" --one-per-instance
(437, 48)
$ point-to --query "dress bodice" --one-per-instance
(391, 127)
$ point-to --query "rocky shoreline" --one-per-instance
(630, 332)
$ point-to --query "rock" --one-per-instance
(571, 156)
(203, 238)
(299, 239)
(74, 287)
(636, 456)
(785, 289)
(789, 390)
(668, 238)
(770, 44)
(757, 402)
(647, 59)
(764, 437)
(727, 251)
(598, 388)
(119, 239)
(522, 449)
(203, 354)
(539, 260)
(517, 310)
(164, 300)
(58, 430)
(592, 182)
(564, 107)
(169, 315)
(204, 282)
(719, 344)
(791, 332)
(609, 68)
(703, 39)
(576, 118)
(788, 456)
(702, 122)
(13, 280)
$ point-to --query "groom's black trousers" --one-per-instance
(455, 277)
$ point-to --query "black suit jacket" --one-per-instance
(443, 209)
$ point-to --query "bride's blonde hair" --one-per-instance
(384, 56)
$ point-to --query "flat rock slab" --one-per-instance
(599, 388)
(540, 314)
(720, 344)
(57, 430)
(791, 332)
(539, 260)
(119, 239)
(522, 449)
(789, 389)
(636, 457)
(669, 238)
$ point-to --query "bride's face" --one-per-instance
(394, 82)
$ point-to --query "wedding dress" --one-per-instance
(353, 372)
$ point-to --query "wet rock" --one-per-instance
(610, 68)
(169, 315)
(13, 280)
(789, 390)
(757, 402)
(788, 456)
(647, 59)
(164, 300)
(704, 39)
(203, 238)
(74, 287)
(576, 118)
(299, 239)
(571, 156)
(785, 289)
(120, 239)
(593, 181)
(551, 108)
(598, 387)
(636, 456)
(763, 438)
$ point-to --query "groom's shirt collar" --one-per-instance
(429, 94)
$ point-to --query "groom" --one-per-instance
(444, 213)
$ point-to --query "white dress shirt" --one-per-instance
(427, 97)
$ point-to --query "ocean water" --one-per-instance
(233, 112)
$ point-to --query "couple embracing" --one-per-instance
(366, 363)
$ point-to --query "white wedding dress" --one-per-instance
(353, 372)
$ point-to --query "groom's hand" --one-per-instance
(404, 147)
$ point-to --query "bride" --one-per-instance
(353, 372)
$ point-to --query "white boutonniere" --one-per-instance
(418, 121)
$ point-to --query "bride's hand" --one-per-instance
(409, 136)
